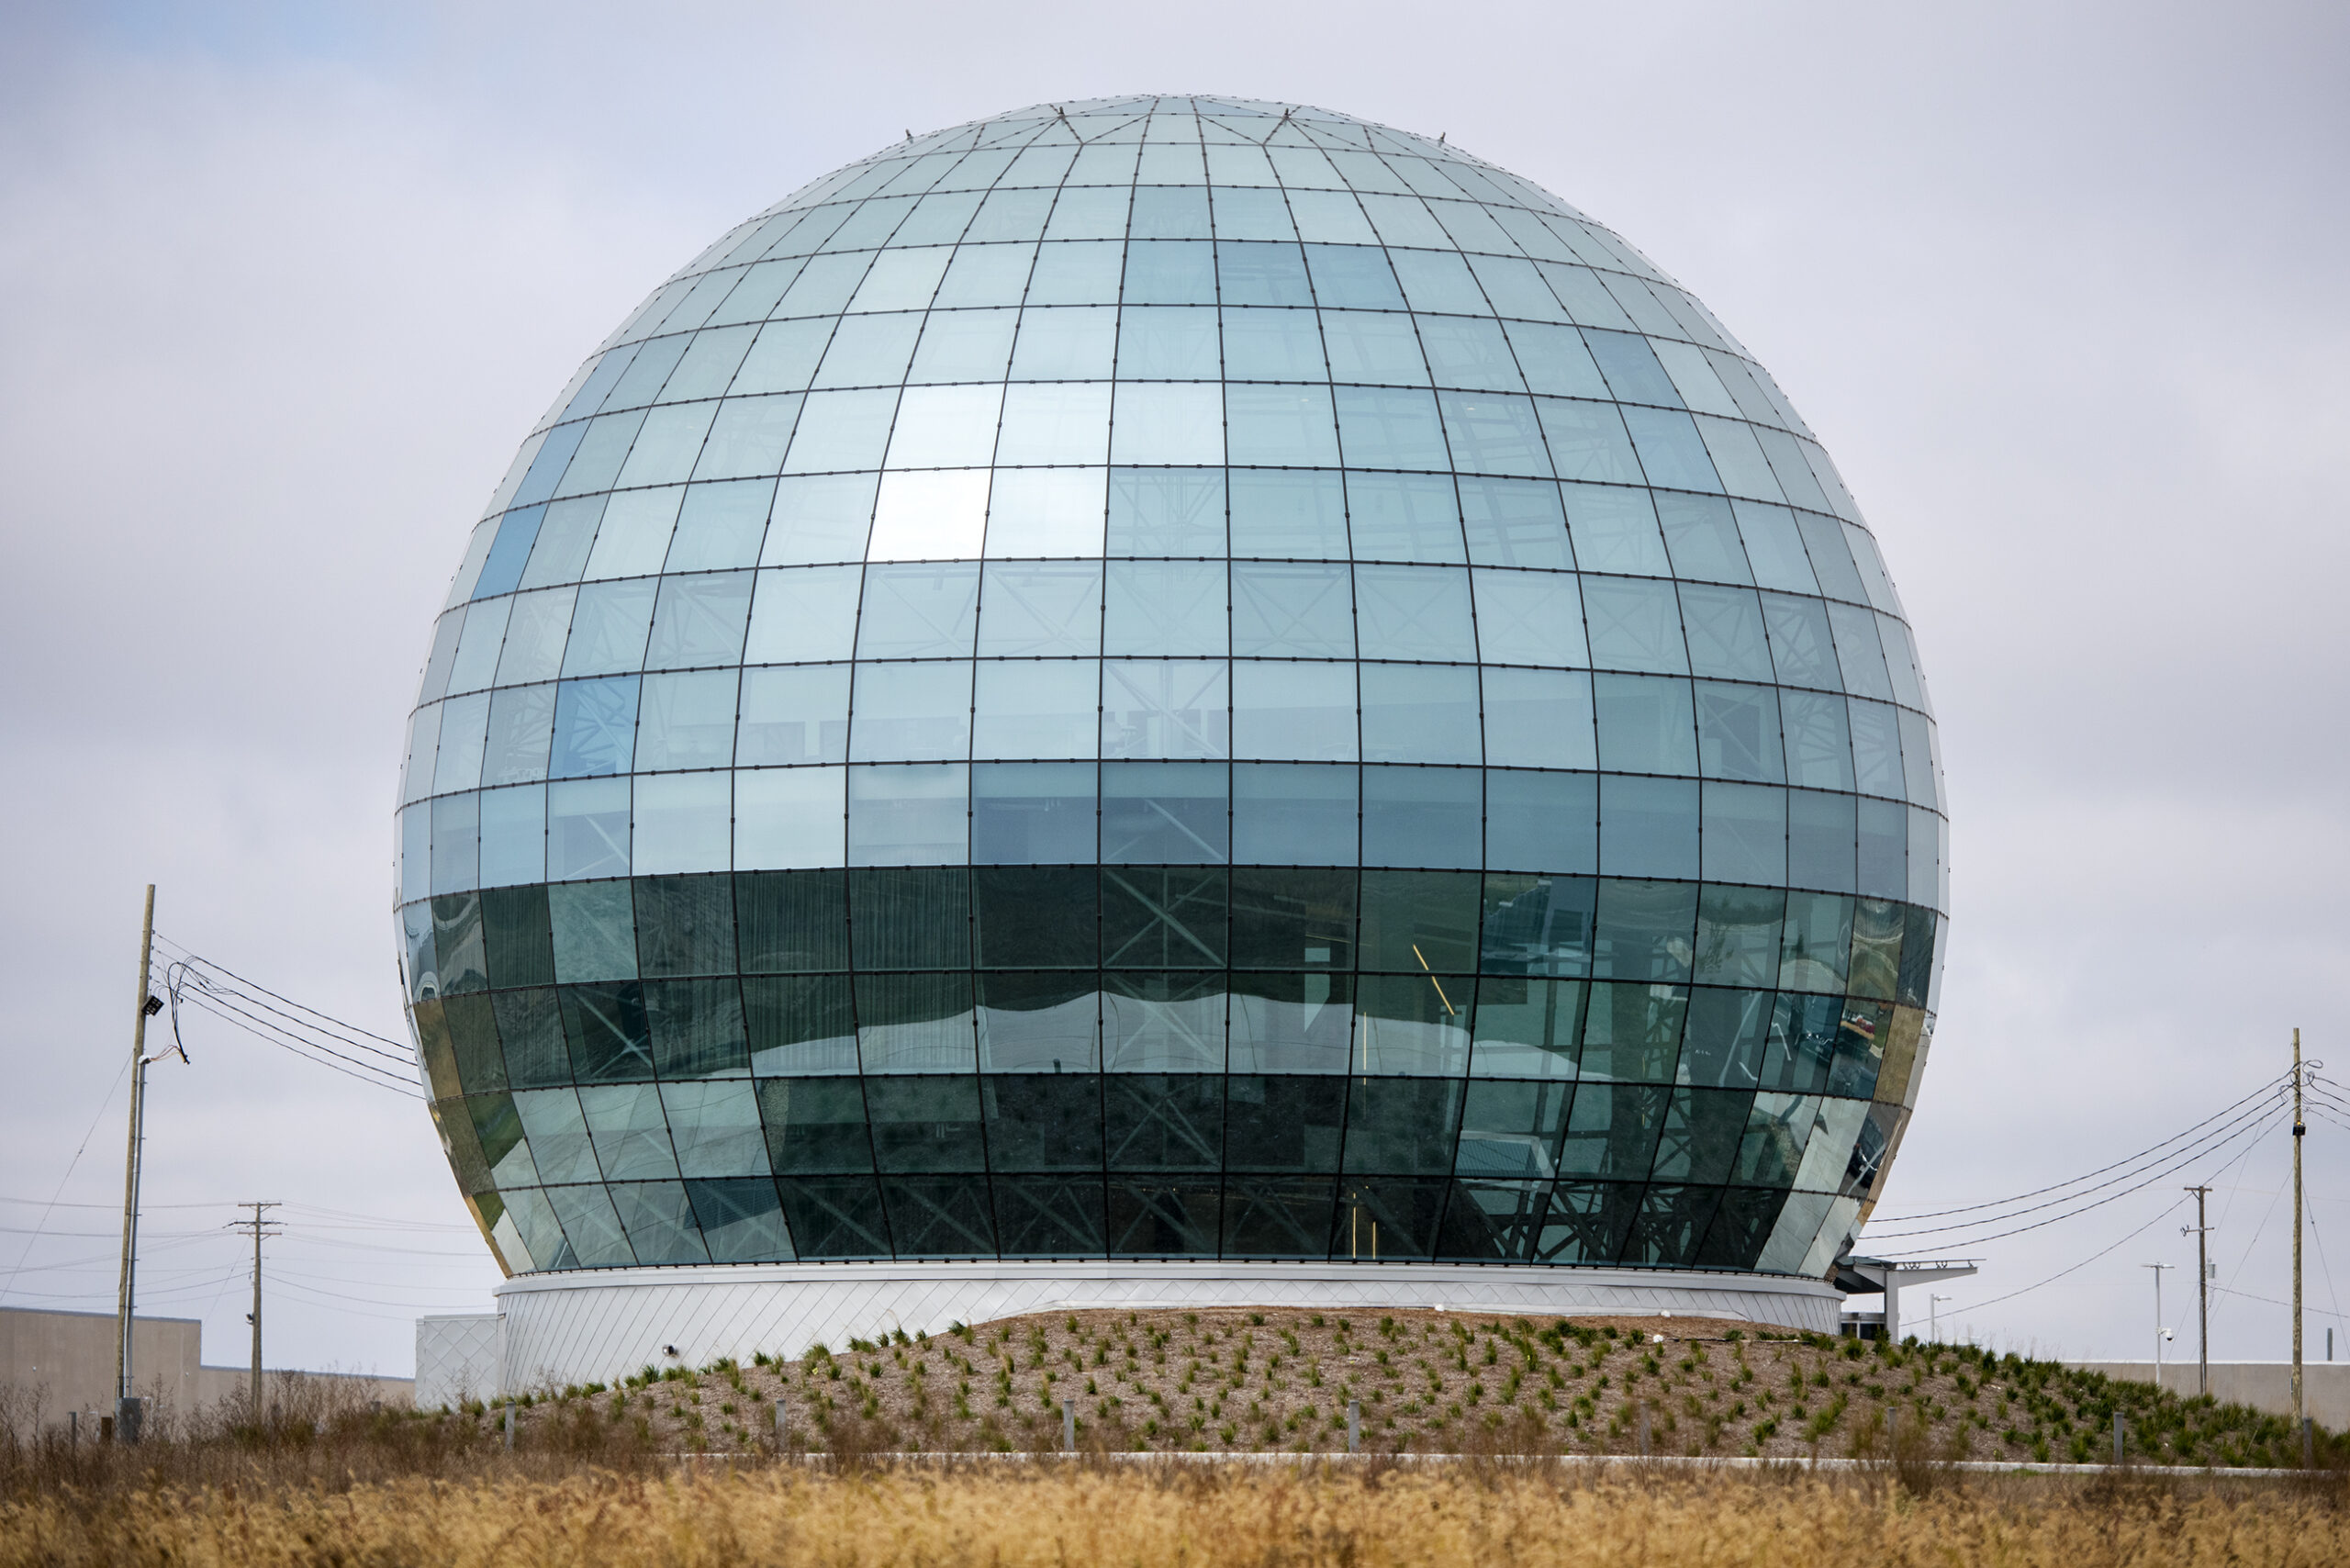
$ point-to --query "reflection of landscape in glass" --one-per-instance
(1174, 679)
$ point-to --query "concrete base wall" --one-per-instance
(2265, 1385)
(458, 1358)
(598, 1326)
(64, 1361)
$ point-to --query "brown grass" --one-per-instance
(1066, 1513)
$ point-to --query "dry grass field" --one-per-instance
(1061, 1514)
(1279, 1381)
(1474, 1425)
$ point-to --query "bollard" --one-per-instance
(2117, 1437)
(1068, 1425)
(1354, 1425)
(779, 1428)
(509, 1426)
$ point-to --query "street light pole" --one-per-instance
(1933, 1316)
(2158, 1268)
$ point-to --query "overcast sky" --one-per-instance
(282, 288)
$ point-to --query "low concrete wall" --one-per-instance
(2264, 1385)
(64, 1360)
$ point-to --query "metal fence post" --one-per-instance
(780, 1430)
(1068, 1425)
(509, 1426)
(2117, 1437)
(2309, 1444)
(1354, 1425)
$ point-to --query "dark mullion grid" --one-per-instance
(1309, 134)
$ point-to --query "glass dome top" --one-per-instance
(1151, 678)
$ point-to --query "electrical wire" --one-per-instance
(47, 1209)
(2139, 1167)
(294, 1026)
(354, 1032)
(2083, 1264)
(350, 1067)
(2272, 1300)
(1965, 1236)
(2129, 1159)
(2180, 1203)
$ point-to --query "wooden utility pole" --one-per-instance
(2202, 1295)
(2299, 1411)
(126, 1406)
(259, 1230)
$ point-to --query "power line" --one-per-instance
(2083, 1264)
(79, 1149)
(2128, 1160)
(310, 1050)
(2250, 1124)
(308, 1032)
(399, 1048)
(2241, 1155)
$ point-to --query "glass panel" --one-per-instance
(1167, 512)
(1738, 733)
(1514, 522)
(1745, 833)
(1635, 624)
(1028, 813)
(1301, 710)
(686, 720)
(1421, 816)
(1059, 422)
(914, 815)
(1047, 512)
(588, 828)
(919, 611)
(682, 824)
(1297, 610)
(820, 519)
(1529, 617)
(1414, 613)
(1042, 708)
(1418, 713)
(1646, 723)
(1166, 608)
(1170, 342)
(1288, 516)
(1615, 530)
(1648, 827)
(910, 712)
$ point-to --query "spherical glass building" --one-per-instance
(1166, 699)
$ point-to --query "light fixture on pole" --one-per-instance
(2161, 1333)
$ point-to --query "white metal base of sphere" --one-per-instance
(596, 1325)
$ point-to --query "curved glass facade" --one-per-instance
(1172, 678)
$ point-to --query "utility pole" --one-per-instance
(258, 1227)
(2202, 1295)
(2301, 1411)
(126, 1404)
(2158, 1268)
